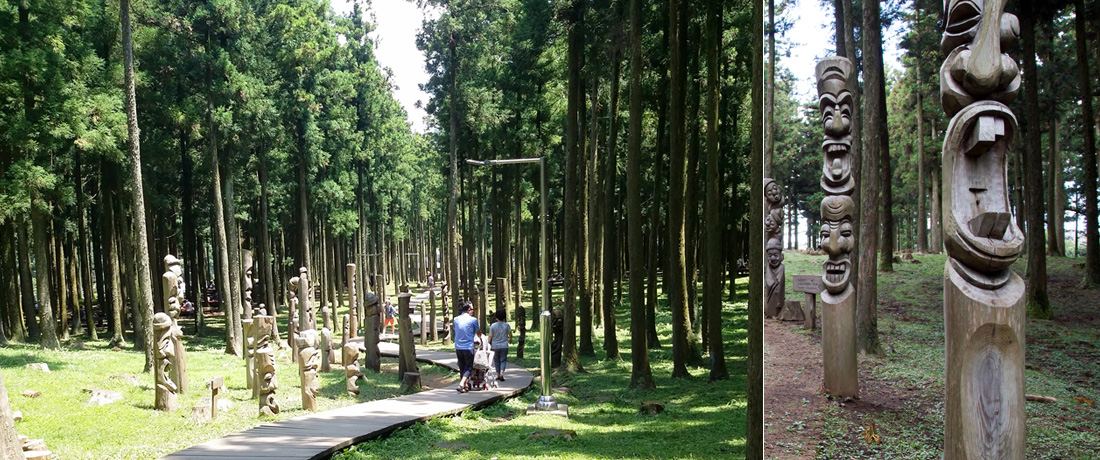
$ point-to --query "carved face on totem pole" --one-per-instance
(772, 192)
(837, 239)
(775, 253)
(165, 352)
(976, 81)
(975, 37)
(836, 102)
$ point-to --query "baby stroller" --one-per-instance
(483, 375)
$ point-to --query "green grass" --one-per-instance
(131, 428)
(1061, 360)
(701, 420)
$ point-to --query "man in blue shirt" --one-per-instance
(465, 327)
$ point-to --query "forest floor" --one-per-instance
(899, 413)
(131, 428)
(700, 419)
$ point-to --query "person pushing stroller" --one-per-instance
(466, 327)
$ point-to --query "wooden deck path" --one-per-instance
(319, 435)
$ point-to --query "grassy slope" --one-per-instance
(131, 429)
(1061, 359)
(700, 420)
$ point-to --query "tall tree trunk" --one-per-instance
(85, 255)
(221, 242)
(26, 287)
(769, 104)
(610, 236)
(1084, 81)
(712, 266)
(922, 224)
(585, 233)
(570, 361)
(452, 202)
(1056, 206)
(641, 375)
(874, 136)
(936, 238)
(1038, 304)
(145, 292)
(684, 350)
(42, 270)
(754, 438)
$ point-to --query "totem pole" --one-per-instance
(372, 332)
(166, 397)
(248, 327)
(774, 277)
(309, 356)
(983, 300)
(309, 360)
(350, 356)
(838, 223)
(175, 293)
(292, 321)
(353, 313)
(265, 364)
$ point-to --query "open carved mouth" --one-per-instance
(836, 274)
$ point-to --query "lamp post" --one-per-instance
(546, 402)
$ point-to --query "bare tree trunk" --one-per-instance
(610, 236)
(145, 294)
(1084, 81)
(754, 438)
(1038, 304)
(922, 224)
(26, 287)
(42, 274)
(1056, 203)
(874, 137)
(570, 361)
(452, 202)
(712, 266)
(225, 292)
(641, 375)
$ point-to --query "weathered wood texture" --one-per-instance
(319, 435)
(984, 315)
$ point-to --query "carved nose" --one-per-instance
(838, 126)
(984, 69)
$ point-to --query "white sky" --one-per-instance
(811, 38)
(398, 22)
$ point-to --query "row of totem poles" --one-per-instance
(983, 300)
(310, 347)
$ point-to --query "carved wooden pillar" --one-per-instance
(372, 358)
(247, 329)
(175, 293)
(984, 313)
(838, 222)
(350, 356)
(353, 312)
(309, 360)
(166, 398)
(774, 274)
(292, 320)
(407, 353)
(265, 364)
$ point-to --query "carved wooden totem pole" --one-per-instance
(372, 333)
(309, 360)
(248, 327)
(309, 356)
(984, 314)
(292, 320)
(166, 398)
(175, 293)
(353, 305)
(265, 364)
(838, 223)
(774, 277)
(350, 356)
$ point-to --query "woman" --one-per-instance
(500, 336)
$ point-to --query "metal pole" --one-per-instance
(546, 400)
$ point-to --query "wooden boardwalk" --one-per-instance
(319, 435)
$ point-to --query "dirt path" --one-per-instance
(793, 400)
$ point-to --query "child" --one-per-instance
(391, 313)
(500, 336)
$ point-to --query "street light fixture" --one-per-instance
(546, 402)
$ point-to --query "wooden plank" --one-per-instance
(318, 435)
